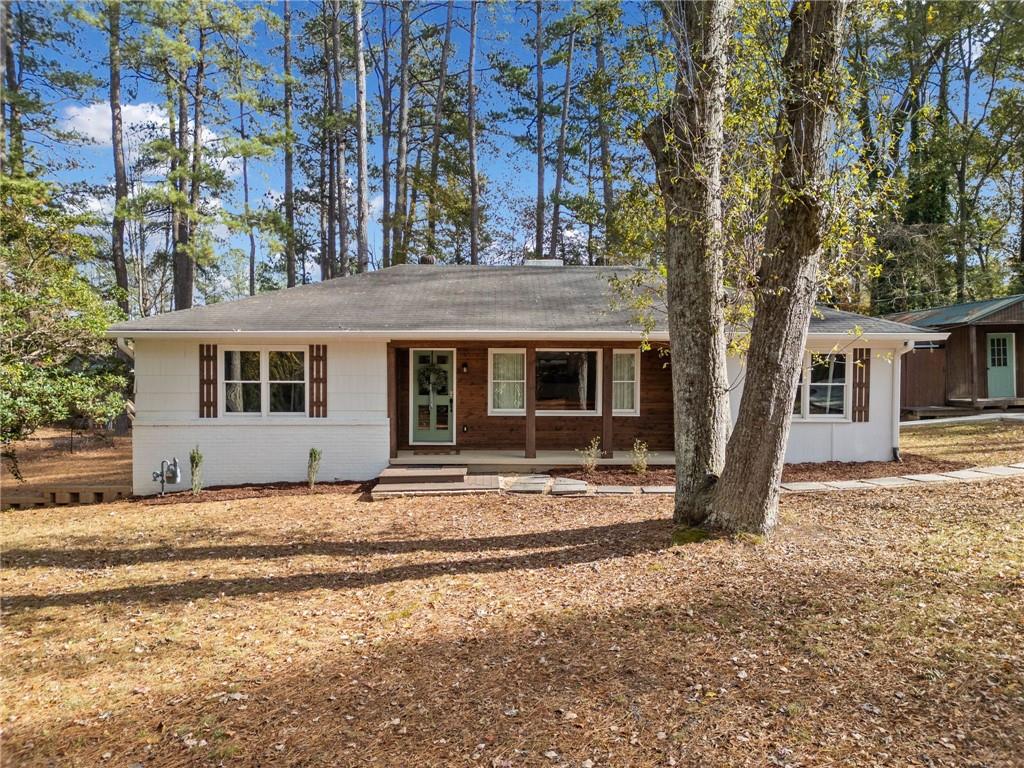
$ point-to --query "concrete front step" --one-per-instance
(468, 484)
(421, 474)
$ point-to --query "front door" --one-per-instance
(1001, 367)
(432, 388)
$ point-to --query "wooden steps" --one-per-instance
(421, 474)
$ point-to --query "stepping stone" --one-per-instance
(616, 489)
(563, 486)
(889, 482)
(848, 485)
(658, 489)
(800, 487)
(967, 474)
(928, 477)
(1002, 471)
(519, 487)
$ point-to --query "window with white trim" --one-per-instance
(567, 382)
(823, 389)
(261, 382)
(507, 387)
(626, 382)
(242, 388)
(287, 377)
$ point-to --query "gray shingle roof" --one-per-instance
(425, 298)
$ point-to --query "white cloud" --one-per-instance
(93, 120)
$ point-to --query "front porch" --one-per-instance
(457, 422)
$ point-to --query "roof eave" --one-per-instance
(491, 335)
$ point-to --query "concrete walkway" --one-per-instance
(1000, 416)
(562, 486)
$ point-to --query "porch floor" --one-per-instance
(512, 460)
(988, 402)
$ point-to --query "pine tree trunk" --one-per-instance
(686, 145)
(341, 173)
(556, 203)
(363, 191)
(435, 143)
(604, 134)
(195, 175)
(410, 217)
(245, 203)
(117, 140)
(747, 495)
(399, 255)
(384, 77)
(14, 159)
(289, 153)
(328, 257)
(474, 179)
(538, 246)
(182, 258)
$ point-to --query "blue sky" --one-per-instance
(509, 169)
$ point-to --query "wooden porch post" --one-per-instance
(531, 402)
(393, 399)
(973, 344)
(607, 431)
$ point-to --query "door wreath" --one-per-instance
(434, 378)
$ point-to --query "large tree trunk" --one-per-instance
(604, 133)
(435, 142)
(402, 170)
(556, 203)
(538, 246)
(686, 145)
(289, 159)
(363, 190)
(117, 139)
(474, 179)
(747, 495)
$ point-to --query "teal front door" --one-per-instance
(433, 400)
(1002, 367)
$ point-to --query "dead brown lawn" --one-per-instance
(980, 444)
(876, 628)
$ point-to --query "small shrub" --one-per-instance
(590, 455)
(640, 454)
(313, 466)
(195, 463)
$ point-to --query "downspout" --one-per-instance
(126, 349)
(897, 377)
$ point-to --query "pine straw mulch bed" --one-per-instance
(823, 471)
(875, 628)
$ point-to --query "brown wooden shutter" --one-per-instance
(318, 380)
(861, 385)
(207, 381)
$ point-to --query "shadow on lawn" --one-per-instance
(618, 685)
(567, 547)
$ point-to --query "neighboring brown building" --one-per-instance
(981, 364)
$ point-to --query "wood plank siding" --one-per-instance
(923, 380)
(475, 430)
(959, 362)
